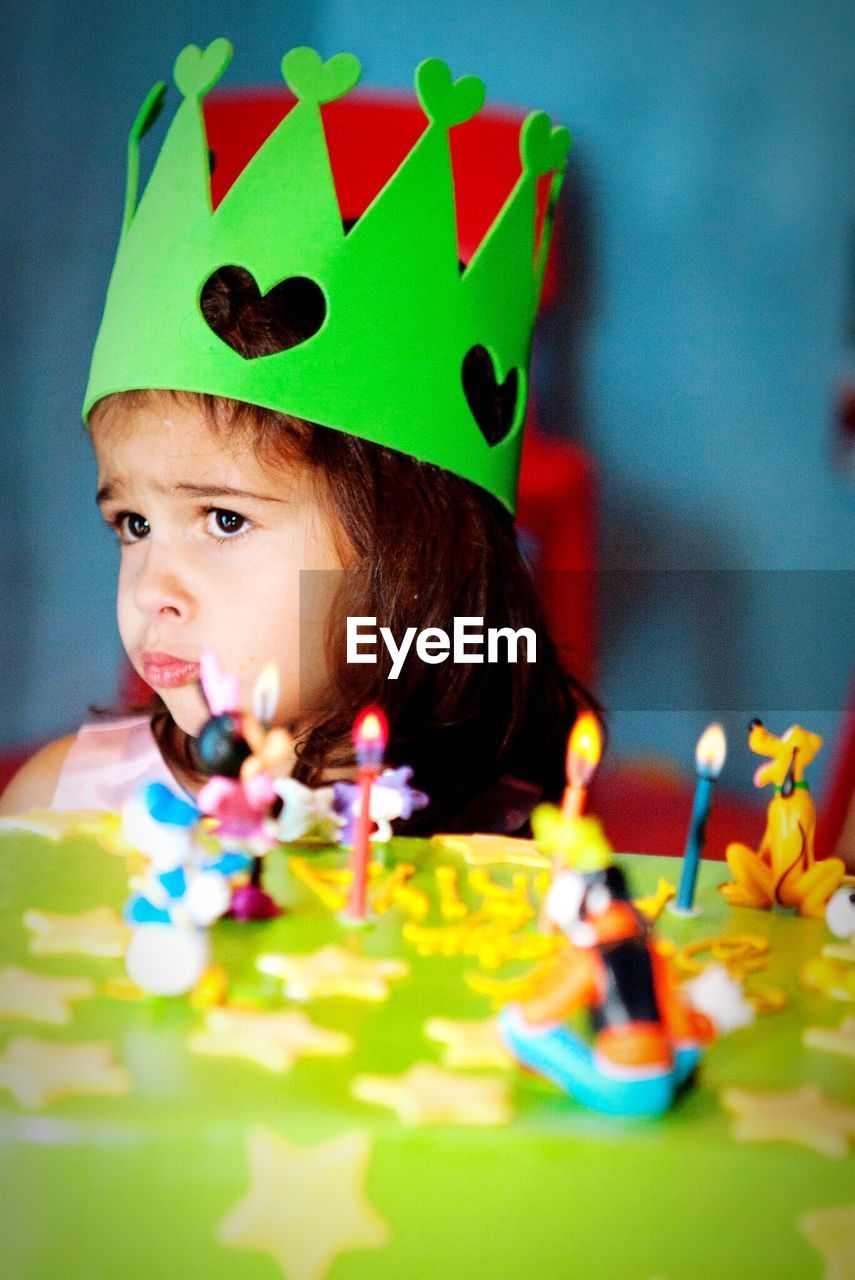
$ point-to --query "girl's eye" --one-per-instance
(132, 527)
(226, 524)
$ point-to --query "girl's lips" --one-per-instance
(164, 671)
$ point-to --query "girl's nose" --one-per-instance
(161, 587)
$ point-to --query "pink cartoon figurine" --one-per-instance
(243, 755)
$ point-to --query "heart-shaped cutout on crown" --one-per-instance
(255, 324)
(493, 403)
(447, 101)
(312, 80)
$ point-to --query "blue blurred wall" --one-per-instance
(73, 79)
(711, 208)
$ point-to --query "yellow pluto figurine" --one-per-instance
(783, 870)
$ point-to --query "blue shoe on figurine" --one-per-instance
(568, 1061)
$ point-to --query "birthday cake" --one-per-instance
(337, 1102)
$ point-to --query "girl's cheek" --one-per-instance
(125, 587)
(125, 611)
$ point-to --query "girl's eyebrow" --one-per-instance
(107, 491)
(222, 491)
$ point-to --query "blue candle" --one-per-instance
(709, 757)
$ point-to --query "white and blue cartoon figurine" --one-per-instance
(307, 813)
(242, 755)
(392, 797)
(181, 894)
(647, 1034)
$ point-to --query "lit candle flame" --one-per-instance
(711, 751)
(370, 735)
(584, 748)
(265, 695)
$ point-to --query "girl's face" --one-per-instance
(212, 545)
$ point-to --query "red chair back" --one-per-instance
(368, 135)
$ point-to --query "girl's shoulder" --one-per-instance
(35, 782)
(99, 767)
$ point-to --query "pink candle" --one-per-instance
(370, 734)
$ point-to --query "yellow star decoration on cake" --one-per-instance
(829, 977)
(428, 1095)
(272, 1040)
(109, 832)
(469, 1044)
(805, 1116)
(840, 1039)
(305, 1205)
(29, 995)
(832, 1233)
(53, 824)
(38, 1072)
(484, 850)
(99, 932)
(840, 951)
(333, 971)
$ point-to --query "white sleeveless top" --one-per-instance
(108, 763)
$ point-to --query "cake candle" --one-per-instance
(370, 734)
(584, 748)
(709, 759)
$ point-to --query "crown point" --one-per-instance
(543, 148)
(196, 71)
(445, 101)
(144, 119)
(312, 80)
(149, 111)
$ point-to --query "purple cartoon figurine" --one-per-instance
(391, 797)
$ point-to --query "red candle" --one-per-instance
(370, 734)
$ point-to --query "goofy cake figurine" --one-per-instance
(647, 1035)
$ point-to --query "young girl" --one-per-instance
(221, 505)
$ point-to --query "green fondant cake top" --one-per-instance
(143, 1182)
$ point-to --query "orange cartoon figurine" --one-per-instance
(784, 870)
(647, 1034)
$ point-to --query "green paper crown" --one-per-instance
(401, 317)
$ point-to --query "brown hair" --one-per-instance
(429, 546)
